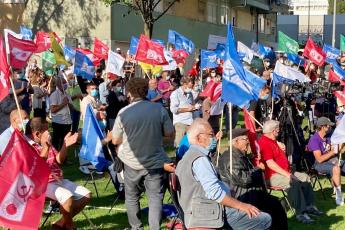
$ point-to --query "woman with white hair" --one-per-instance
(278, 174)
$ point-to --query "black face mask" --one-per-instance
(268, 82)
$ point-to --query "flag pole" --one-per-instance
(220, 129)
(230, 135)
(255, 120)
(271, 115)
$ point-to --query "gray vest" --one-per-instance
(198, 210)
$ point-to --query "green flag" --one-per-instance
(342, 42)
(48, 62)
(287, 44)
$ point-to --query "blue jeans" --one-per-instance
(136, 181)
(239, 220)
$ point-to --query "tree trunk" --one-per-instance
(148, 29)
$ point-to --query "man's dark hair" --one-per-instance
(187, 79)
(88, 85)
(36, 124)
(99, 70)
(138, 87)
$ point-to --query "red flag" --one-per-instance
(217, 92)
(179, 56)
(150, 52)
(249, 124)
(4, 72)
(100, 49)
(333, 77)
(20, 51)
(95, 60)
(43, 42)
(209, 89)
(23, 187)
(314, 53)
(340, 95)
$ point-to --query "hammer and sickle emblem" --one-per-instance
(25, 192)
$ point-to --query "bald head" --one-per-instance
(15, 118)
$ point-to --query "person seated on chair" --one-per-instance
(71, 197)
(203, 195)
(278, 174)
(247, 181)
(326, 160)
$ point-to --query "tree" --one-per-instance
(340, 7)
(146, 9)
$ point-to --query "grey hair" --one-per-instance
(198, 126)
(269, 126)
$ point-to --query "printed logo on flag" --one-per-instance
(212, 58)
(151, 54)
(20, 55)
(331, 55)
(291, 47)
(13, 205)
(316, 55)
(2, 79)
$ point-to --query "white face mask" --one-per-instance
(208, 79)
(213, 74)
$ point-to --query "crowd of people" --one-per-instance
(140, 114)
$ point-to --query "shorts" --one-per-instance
(64, 189)
(325, 168)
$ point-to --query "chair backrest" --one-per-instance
(174, 187)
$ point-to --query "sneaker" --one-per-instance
(339, 202)
(84, 170)
(304, 218)
(314, 211)
(52, 209)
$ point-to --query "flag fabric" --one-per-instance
(331, 53)
(179, 55)
(220, 50)
(69, 53)
(266, 52)
(180, 42)
(83, 66)
(333, 77)
(115, 63)
(159, 41)
(4, 72)
(208, 59)
(338, 70)
(338, 136)
(58, 51)
(287, 44)
(43, 42)
(340, 95)
(26, 32)
(209, 89)
(22, 192)
(289, 73)
(245, 52)
(249, 124)
(95, 60)
(172, 63)
(133, 45)
(296, 59)
(236, 88)
(100, 49)
(48, 61)
(276, 82)
(150, 52)
(20, 51)
(342, 42)
(92, 136)
(314, 53)
(153, 69)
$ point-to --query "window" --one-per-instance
(211, 12)
(224, 12)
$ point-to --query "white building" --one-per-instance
(301, 7)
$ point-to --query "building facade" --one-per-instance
(308, 7)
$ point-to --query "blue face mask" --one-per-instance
(188, 90)
(94, 93)
(102, 124)
(212, 145)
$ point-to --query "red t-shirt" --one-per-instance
(269, 149)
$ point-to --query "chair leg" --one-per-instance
(321, 188)
(107, 184)
(94, 184)
(88, 219)
(114, 202)
(49, 214)
(288, 203)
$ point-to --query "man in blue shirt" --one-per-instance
(153, 94)
(202, 195)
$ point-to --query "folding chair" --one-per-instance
(284, 198)
(54, 206)
(177, 222)
(91, 178)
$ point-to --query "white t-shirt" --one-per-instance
(63, 116)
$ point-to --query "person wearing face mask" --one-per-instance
(259, 109)
(182, 107)
(105, 86)
(278, 174)
(201, 189)
(326, 156)
(165, 87)
(23, 89)
(15, 124)
(138, 132)
(60, 112)
(247, 180)
(115, 101)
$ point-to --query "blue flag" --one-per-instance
(159, 41)
(338, 70)
(295, 59)
(238, 86)
(83, 66)
(331, 52)
(180, 41)
(133, 46)
(26, 32)
(220, 50)
(69, 53)
(92, 136)
(276, 83)
(208, 59)
(266, 52)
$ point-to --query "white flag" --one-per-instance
(115, 63)
(245, 51)
(14, 34)
(338, 136)
(172, 63)
(289, 73)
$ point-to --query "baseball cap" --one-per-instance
(323, 121)
(239, 132)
